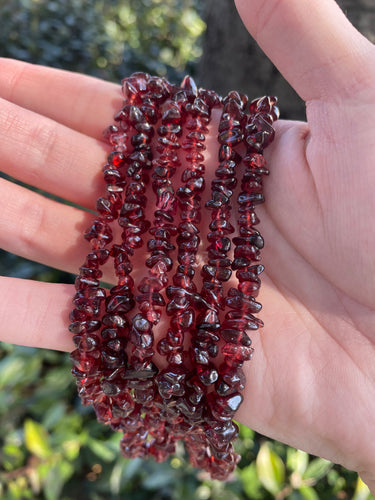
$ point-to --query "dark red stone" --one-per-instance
(223, 408)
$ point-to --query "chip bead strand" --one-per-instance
(159, 128)
(216, 273)
(140, 376)
(218, 270)
(140, 113)
(86, 318)
(258, 133)
(178, 381)
(226, 398)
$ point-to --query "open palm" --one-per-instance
(311, 383)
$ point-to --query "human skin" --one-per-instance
(311, 382)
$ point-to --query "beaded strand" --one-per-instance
(159, 129)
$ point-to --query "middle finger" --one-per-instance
(50, 156)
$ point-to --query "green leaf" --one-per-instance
(295, 495)
(297, 460)
(21, 367)
(245, 432)
(71, 449)
(13, 457)
(101, 449)
(162, 477)
(10, 368)
(53, 484)
(54, 414)
(308, 493)
(56, 478)
(18, 488)
(317, 469)
(193, 23)
(250, 482)
(115, 480)
(37, 439)
(270, 469)
(361, 491)
(131, 468)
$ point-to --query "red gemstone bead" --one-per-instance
(236, 354)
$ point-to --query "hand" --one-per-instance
(311, 382)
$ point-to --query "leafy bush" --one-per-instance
(105, 38)
(51, 446)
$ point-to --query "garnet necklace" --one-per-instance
(155, 177)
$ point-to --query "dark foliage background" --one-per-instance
(50, 446)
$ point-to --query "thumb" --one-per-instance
(312, 43)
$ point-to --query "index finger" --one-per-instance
(83, 103)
